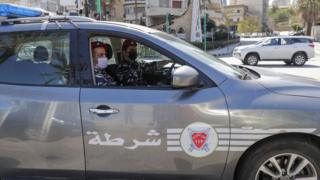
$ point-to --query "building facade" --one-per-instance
(225, 2)
(257, 8)
(156, 10)
(134, 11)
(235, 13)
(281, 3)
(214, 8)
(115, 10)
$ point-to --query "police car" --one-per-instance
(211, 121)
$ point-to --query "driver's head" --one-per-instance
(129, 50)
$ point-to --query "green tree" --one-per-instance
(274, 9)
(249, 25)
(309, 10)
(296, 27)
(282, 17)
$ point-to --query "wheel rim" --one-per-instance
(287, 167)
(252, 60)
(300, 59)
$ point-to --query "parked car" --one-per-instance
(210, 121)
(290, 49)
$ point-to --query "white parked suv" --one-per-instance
(290, 49)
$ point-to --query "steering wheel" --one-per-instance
(168, 74)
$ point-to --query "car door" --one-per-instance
(151, 130)
(271, 49)
(40, 124)
(287, 48)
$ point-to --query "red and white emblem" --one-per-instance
(199, 139)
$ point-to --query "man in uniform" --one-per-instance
(129, 70)
(100, 55)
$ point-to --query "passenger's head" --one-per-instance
(129, 50)
(99, 54)
(41, 54)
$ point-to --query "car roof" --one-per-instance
(293, 37)
(34, 23)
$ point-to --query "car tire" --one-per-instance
(294, 151)
(299, 59)
(288, 62)
(251, 59)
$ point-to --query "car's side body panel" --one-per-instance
(168, 112)
(263, 114)
(40, 131)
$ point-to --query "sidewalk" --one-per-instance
(226, 51)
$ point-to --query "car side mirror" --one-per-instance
(184, 77)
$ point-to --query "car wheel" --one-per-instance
(299, 59)
(288, 62)
(251, 59)
(288, 159)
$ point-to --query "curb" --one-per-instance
(226, 54)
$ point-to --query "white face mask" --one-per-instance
(102, 63)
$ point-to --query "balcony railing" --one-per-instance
(176, 4)
(134, 1)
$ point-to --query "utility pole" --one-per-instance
(205, 19)
(77, 4)
(167, 23)
(136, 10)
(99, 9)
(86, 8)
(205, 30)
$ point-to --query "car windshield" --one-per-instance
(199, 54)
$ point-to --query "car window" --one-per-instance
(301, 40)
(26, 50)
(285, 41)
(35, 58)
(134, 64)
(272, 42)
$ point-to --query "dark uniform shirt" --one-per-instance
(130, 74)
(102, 78)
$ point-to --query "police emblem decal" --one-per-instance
(199, 139)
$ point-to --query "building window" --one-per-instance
(129, 10)
(238, 11)
(164, 3)
(141, 10)
(176, 4)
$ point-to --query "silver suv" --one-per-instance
(194, 118)
(290, 49)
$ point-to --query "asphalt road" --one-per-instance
(311, 69)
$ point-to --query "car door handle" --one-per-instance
(104, 110)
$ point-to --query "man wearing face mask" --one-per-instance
(100, 54)
(129, 70)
